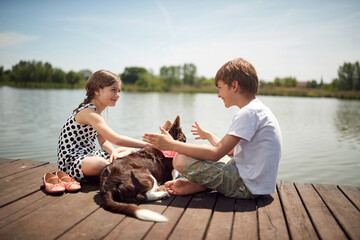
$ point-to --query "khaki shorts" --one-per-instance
(221, 177)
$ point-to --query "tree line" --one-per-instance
(169, 77)
(348, 79)
(38, 74)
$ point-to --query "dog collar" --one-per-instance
(169, 154)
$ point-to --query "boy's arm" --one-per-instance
(213, 153)
(206, 135)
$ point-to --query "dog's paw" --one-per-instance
(160, 189)
(164, 195)
(151, 196)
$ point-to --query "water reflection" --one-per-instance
(347, 122)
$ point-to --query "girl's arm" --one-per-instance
(113, 152)
(105, 145)
(213, 153)
(91, 117)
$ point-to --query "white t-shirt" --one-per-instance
(258, 153)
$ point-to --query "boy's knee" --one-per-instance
(179, 162)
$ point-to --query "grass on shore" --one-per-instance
(267, 90)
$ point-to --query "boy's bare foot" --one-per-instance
(183, 187)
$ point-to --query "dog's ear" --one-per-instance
(176, 122)
(106, 172)
(167, 125)
(176, 132)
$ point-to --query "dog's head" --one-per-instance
(175, 130)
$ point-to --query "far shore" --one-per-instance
(267, 90)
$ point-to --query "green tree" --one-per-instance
(311, 84)
(2, 74)
(290, 82)
(189, 73)
(170, 76)
(20, 72)
(73, 78)
(356, 76)
(85, 74)
(149, 82)
(321, 85)
(131, 74)
(58, 76)
(285, 82)
(278, 82)
(203, 81)
(346, 76)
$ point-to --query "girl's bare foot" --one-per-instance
(183, 187)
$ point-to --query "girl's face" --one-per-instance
(109, 95)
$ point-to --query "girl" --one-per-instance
(76, 148)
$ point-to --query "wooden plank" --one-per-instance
(272, 224)
(222, 219)
(53, 220)
(299, 224)
(324, 222)
(19, 166)
(352, 193)
(194, 221)
(245, 220)
(4, 162)
(18, 185)
(95, 226)
(24, 206)
(344, 211)
(132, 228)
(173, 212)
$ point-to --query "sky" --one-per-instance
(308, 40)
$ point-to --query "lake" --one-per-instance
(321, 136)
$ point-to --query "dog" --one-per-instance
(135, 178)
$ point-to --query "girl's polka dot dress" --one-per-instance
(76, 142)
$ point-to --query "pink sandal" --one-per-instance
(70, 184)
(53, 184)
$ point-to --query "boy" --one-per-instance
(254, 137)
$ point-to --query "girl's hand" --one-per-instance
(161, 141)
(120, 152)
(199, 131)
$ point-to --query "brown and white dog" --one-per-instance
(135, 178)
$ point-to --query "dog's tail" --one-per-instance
(132, 210)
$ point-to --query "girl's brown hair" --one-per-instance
(99, 79)
(241, 71)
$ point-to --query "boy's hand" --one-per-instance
(199, 131)
(161, 141)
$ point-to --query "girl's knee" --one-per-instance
(93, 166)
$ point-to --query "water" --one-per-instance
(321, 140)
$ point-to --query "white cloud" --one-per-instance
(11, 39)
(166, 16)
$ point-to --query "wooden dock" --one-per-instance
(295, 211)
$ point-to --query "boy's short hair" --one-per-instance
(241, 71)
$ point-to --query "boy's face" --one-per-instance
(225, 93)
